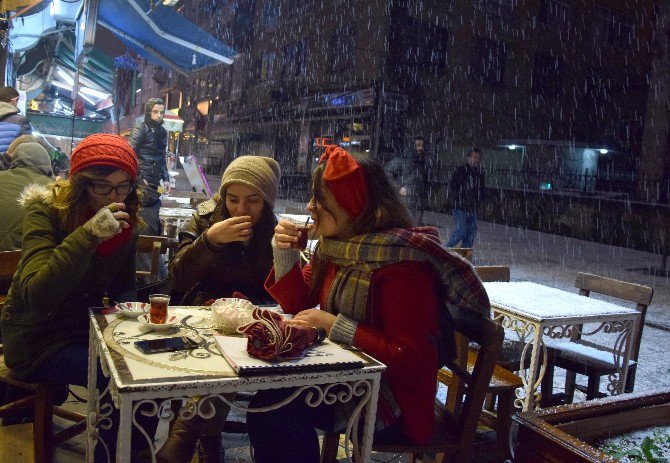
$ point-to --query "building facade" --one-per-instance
(373, 74)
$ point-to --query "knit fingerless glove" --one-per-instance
(284, 259)
(103, 224)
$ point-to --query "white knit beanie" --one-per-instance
(259, 172)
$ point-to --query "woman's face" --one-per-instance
(244, 200)
(330, 220)
(114, 188)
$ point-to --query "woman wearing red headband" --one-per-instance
(367, 258)
(79, 240)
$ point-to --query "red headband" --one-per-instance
(345, 180)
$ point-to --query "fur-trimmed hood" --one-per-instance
(35, 194)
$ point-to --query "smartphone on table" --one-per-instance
(153, 346)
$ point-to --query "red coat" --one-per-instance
(400, 326)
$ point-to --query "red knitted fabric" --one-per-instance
(345, 180)
(104, 149)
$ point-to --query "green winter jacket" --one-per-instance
(24, 171)
(59, 278)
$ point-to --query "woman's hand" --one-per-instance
(108, 221)
(286, 234)
(313, 317)
(229, 230)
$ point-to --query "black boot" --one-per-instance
(210, 450)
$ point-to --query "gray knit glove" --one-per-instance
(103, 225)
(284, 260)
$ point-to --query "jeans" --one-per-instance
(466, 229)
(288, 434)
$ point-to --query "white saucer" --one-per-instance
(132, 309)
(169, 323)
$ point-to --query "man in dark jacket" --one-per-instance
(467, 190)
(12, 124)
(30, 165)
(149, 140)
(411, 176)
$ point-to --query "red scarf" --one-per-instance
(108, 247)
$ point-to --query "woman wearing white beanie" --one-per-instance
(225, 248)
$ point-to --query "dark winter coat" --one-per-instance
(202, 270)
(26, 169)
(149, 141)
(60, 277)
(467, 189)
(413, 173)
(12, 125)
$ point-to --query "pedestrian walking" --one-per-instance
(467, 190)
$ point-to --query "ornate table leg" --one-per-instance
(91, 403)
(125, 424)
(532, 378)
(526, 396)
(370, 413)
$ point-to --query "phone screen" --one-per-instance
(152, 346)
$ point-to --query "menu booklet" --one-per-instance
(323, 356)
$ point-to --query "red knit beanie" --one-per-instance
(104, 149)
(345, 180)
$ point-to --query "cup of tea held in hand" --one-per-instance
(302, 239)
(159, 308)
(303, 228)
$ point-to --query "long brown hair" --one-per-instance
(70, 197)
(383, 210)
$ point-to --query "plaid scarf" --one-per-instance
(359, 256)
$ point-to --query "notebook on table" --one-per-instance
(323, 356)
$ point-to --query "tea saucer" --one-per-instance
(169, 323)
(132, 309)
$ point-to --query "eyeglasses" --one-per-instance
(104, 189)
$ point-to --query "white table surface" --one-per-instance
(546, 304)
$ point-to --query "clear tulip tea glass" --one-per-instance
(159, 308)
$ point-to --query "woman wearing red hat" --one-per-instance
(366, 259)
(79, 240)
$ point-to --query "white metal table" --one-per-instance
(157, 379)
(535, 312)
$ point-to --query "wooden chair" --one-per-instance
(465, 253)
(581, 356)
(456, 420)
(499, 403)
(9, 262)
(154, 245)
(493, 272)
(34, 441)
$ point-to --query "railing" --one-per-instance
(582, 183)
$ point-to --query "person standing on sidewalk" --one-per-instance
(410, 176)
(467, 190)
(149, 140)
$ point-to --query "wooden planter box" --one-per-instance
(563, 434)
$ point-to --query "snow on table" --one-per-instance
(541, 303)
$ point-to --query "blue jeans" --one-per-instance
(288, 434)
(466, 229)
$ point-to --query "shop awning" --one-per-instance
(162, 35)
